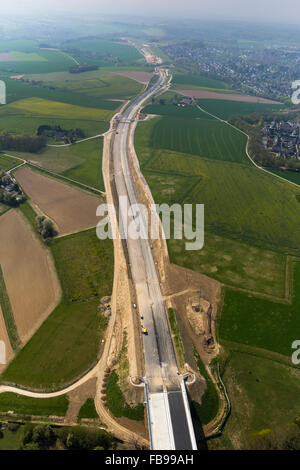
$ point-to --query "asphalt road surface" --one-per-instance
(160, 359)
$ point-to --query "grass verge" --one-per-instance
(22, 405)
(88, 410)
(210, 402)
(176, 336)
(8, 315)
(116, 402)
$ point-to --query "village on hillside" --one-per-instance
(282, 138)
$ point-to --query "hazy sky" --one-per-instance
(287, 11)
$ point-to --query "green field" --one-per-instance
(184, 80)
(259, 322)
(22, 405)
(28, 56)
(225, 108)
(80, 162)
(68, 341)
(25, 116)
(11, 439)
(18, 90)
(25, 123)
(50, 61)
(6, 163)
(206, 138)
(104, 49)
(88, 410)
(98, 83)
(292, 176)
(234, 263)
(36, 106)
(241, 202)
(108, 86)
(90, 171)
(210, 402)
(116, 402)
(264, 397)
(176, 111)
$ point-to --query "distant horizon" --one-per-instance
(258, 11)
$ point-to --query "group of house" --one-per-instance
(282, 138)
(185, 101)
(10, 191)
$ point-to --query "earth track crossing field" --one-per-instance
(29, 274)
(71, 209)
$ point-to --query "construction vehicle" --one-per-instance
(144, 330)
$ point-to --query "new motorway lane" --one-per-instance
(170, 421)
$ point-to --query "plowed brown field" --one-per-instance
(142, 77)
(225, 96)
(29, 274)
(71, 209)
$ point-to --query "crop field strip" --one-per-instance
(235, 207)
(268, 386)
(6, 162)
(17, 90)
(75, 328)
(101, 84)
(125, 53)
(224, 108)
(80, 163)
(51, 61)
(37, 106)
(184, 80)
(25, 116)
(207, 138)
(8, 315)
(261, 323)
(22, 405)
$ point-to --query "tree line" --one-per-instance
(22, 143)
